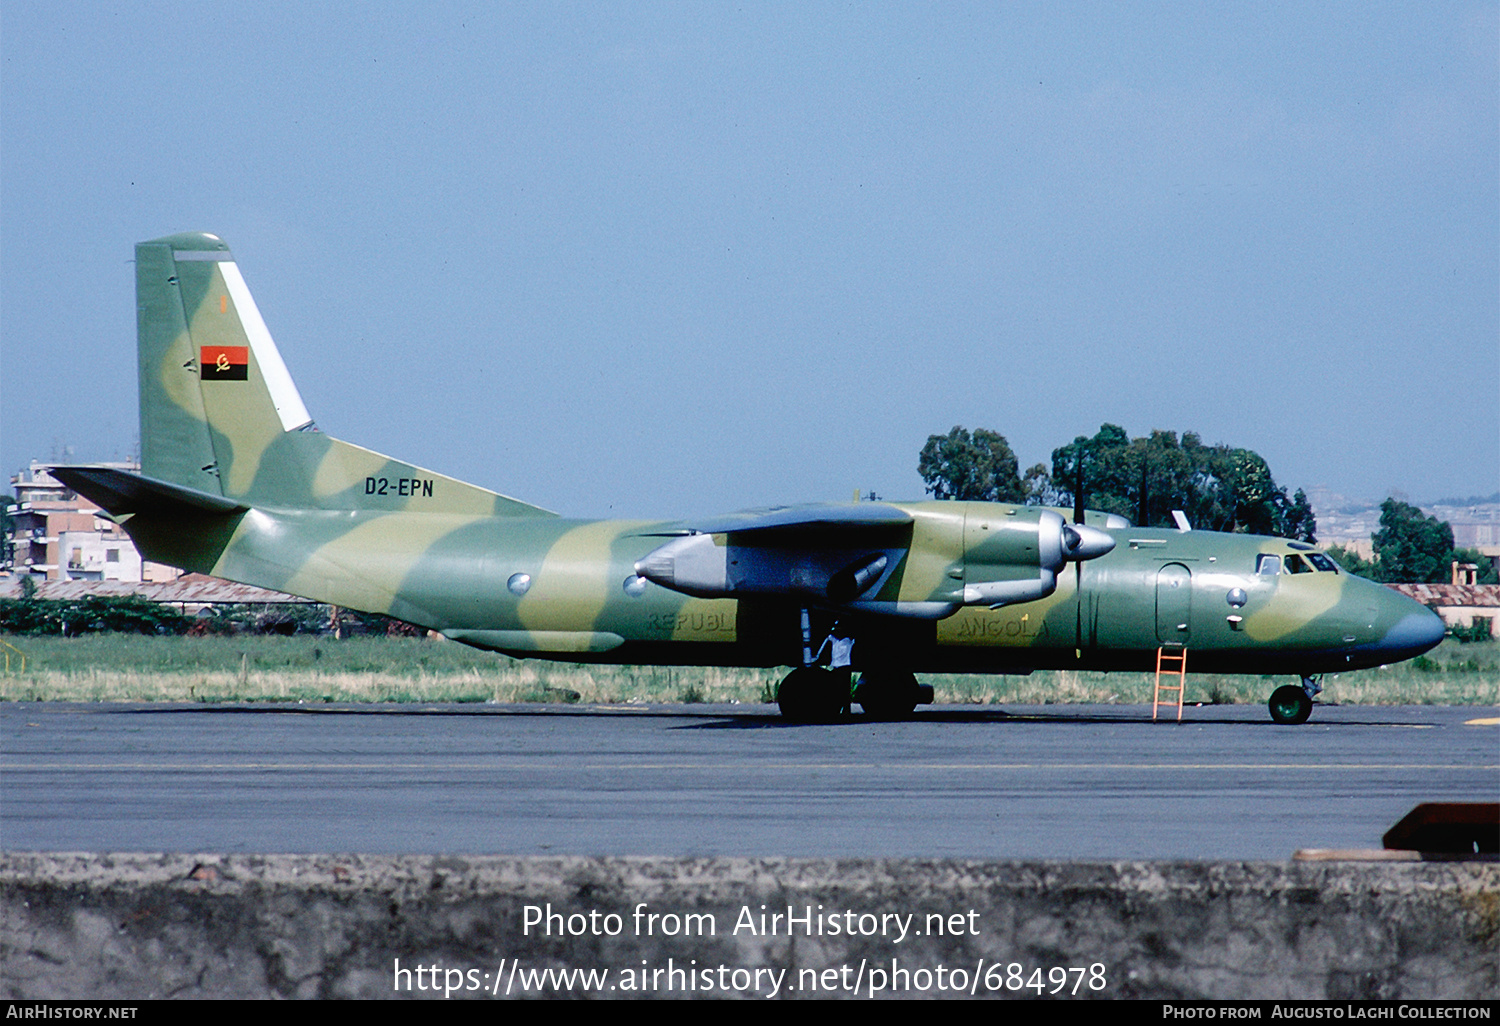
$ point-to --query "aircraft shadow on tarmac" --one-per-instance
(758, 717)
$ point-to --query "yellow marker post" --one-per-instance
(9, 648)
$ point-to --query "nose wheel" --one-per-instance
(1291, 704)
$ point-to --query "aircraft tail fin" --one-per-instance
(221, 415)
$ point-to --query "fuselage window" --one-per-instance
(1268, 566)
(1322, 562)
(1295, 565)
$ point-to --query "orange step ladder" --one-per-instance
(1165, 658)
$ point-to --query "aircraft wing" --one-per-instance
(860, 556)
(818, 517)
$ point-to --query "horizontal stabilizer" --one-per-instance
(120, 493)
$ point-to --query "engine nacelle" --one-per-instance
(998, 550)
(710, 566)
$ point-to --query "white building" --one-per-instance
(57, 535)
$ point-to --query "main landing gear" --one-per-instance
(1291, 703)
(812, 694)
(890, 694)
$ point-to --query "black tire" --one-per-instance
(887, 696)
(1290, 705)
(813, 695)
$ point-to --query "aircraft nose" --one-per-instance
(1413, 629)
(1417, 630)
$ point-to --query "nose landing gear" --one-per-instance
(1291, 704)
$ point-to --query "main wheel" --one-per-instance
(813, 695)
(887, 696)
(1289, 704)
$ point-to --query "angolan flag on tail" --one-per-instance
(224, 363)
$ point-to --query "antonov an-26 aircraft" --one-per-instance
(237, 482)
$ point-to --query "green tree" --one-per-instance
(1219, 488)
(95, 613)
(978, 467)
(1410, 547)
(1486, 565)
(1352, 561)
(1039, 489)
(1300, 523)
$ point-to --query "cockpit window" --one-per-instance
(1267, 565)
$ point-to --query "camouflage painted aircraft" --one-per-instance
(237, 482)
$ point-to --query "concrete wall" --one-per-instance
(152, 926)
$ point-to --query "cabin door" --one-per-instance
(1174, 604)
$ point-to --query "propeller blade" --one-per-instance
(1078, 489)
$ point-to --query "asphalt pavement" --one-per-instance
(1086, 782)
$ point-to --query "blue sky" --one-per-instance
(647, 259)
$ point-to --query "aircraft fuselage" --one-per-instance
(569, 589)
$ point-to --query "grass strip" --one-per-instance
(256, 668)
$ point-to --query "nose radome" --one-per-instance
(1415, 632)
(1409, 628)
